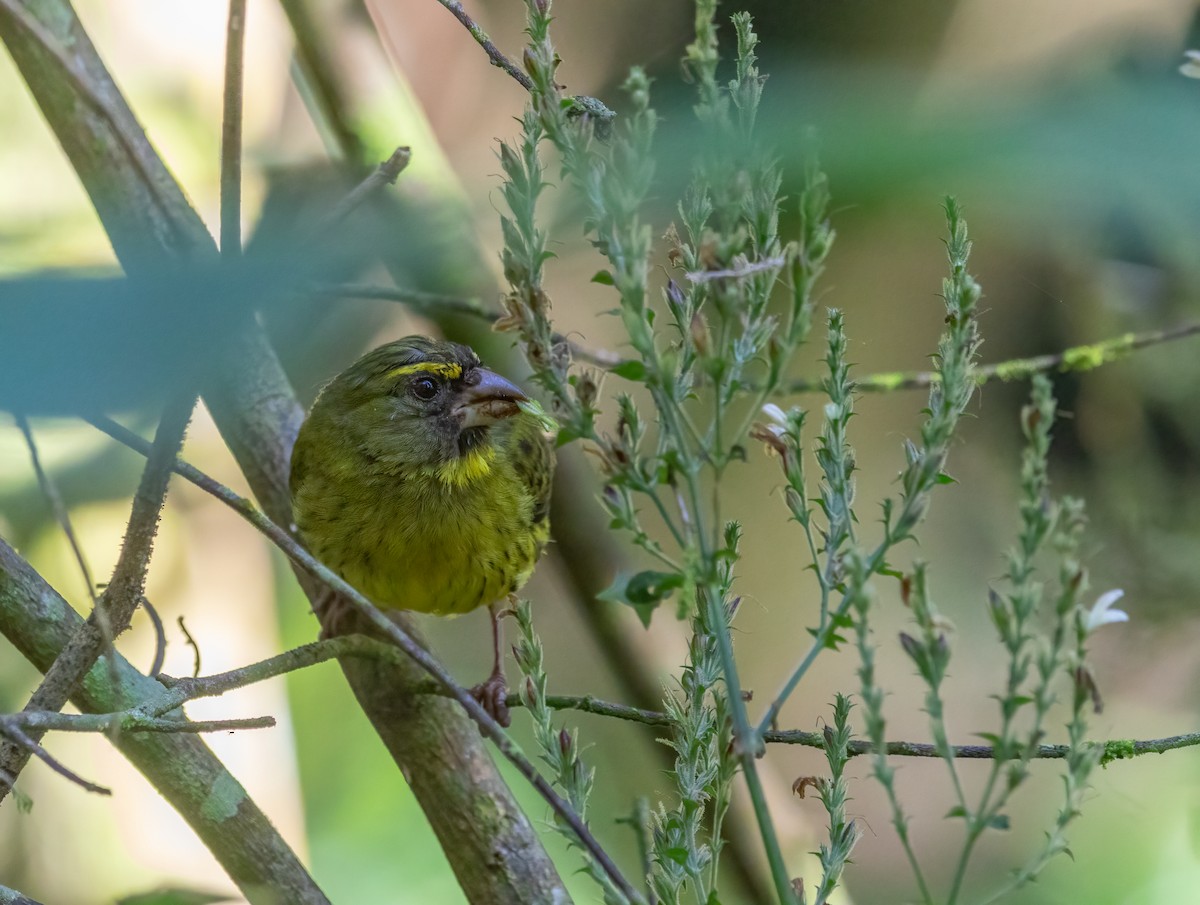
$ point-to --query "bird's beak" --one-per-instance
(488, 398)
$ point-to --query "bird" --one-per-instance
(423, 479)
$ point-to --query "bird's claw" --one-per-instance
(335, 614)
(492, 696)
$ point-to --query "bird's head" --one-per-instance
(421, 403)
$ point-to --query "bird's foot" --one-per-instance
(335, 613)
(492, 695)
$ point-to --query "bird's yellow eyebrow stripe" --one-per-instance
(449, 371)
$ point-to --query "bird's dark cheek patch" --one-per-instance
(471, 439)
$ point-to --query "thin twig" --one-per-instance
(191, 642)
(481, 38)
(54, 498)
(385, 174)
(231, 133)
(30, 745)
(1076, 358)
(181, 690)
(160, 637)
(488, 726)
(114, 610)
(1116, 749)
(123, 721)
(40, 623)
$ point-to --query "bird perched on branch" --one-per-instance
(423, 479)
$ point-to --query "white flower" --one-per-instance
(779, 418)
(1102, 613)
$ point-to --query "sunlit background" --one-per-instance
(1069, 135)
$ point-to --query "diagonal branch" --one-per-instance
(494, 53)
(490, 844)
(57, 506)
(18, 737)
(398, 636)
(383, 175)
(40, 624)
(114, 611)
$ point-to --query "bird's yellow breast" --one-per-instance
(462, 471)
(443, 539)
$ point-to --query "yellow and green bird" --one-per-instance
(419, 479)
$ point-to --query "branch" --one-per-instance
(383, 175)
(114, 611)
(123, 721)
(147, 716)
(1116, 749)
(186, 689)
(40, 624)
(490, 844)
(57, 506)
(498, 59)
(401, 638)
(160, 637)
(18, 737)
(1076, 358)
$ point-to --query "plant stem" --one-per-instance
(747, 747)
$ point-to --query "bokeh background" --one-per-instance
(1068, 133)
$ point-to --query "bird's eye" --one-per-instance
(424, 388)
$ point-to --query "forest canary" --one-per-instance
(419, 478)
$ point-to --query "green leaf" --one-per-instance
(678, 854)
(643, 591)
(604, 278)
(944, 478)
(630, 370)
(998, 822)
(645, 587)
